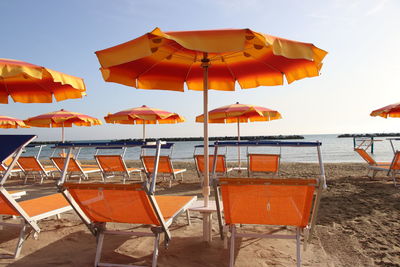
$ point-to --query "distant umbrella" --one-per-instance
(9, 122)
(388, 111)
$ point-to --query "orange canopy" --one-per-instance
(28, 83)
(388, 111)
(240, 113)
(62, 118)
(167, 60)
(9, 122)
(144, 115)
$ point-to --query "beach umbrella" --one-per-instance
(29, 83)
(210, 59)
(62, 118)
(9, 122)
(237, 113)
(144, 115)
(388, 111)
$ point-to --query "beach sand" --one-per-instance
(358, 225)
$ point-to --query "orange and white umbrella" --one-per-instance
(62, 118)
(144, 115)
(29, 83)
(9, 122)
(237, 113)
(388, 111)
(209, 59)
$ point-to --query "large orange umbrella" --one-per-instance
(29, 83)
(9, 122)
(62, 118)
(388, 111)
(211, 59)
(237, 113)
(144, 115)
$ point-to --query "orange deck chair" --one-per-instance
(31, 211)
(99, 204)
(272, 202)
(74, 168)
(392, 170)
(114, 165)
(32, 167)
(373, 166)
(16, 169)
(263, 163)
(221, 167)
(165, 167)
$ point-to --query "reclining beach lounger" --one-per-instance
(392, 170)
(32, 167)
(99, 204)
(373, 166)
(33, 210)
(114, 165)
(220, 169)
(263, 163)
(165, 167)
(272, 202)
(74, 168)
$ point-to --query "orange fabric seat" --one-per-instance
(32, 167)
(221, 168)
(265, 163)
(373, 165)
(112, 165)
(74, 167)
(44, 204)
(165, 167)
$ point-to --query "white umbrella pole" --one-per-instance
(205, 63)
(144, 131)
(238, 132)
(62, 133)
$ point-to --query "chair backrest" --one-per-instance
(221, 163)
(111, 163)
(267, 201)
(263, 162)
(395, 165)
(73, 165)
(120, 203)
(367, 157)
(164, 164)
(6, 208)
(30, 164)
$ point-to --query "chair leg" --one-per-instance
(298, 250)
(22, 237)
(100, 241)
(155, 252)
(232, 246)
(188, 217)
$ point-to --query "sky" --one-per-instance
(359, 73)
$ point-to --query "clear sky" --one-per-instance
(359, 73)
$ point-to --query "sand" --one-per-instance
(358, 225)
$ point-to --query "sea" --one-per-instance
(333, 150)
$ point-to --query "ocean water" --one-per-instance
(333, 150)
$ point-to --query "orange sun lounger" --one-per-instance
(31, 211)
(372, 164)
(273, 202)
(392, 170)
(263, 163)
(74, 168)
(113, 165)
(99, 204)
(165, 167)
(221, 168)
(31, 166)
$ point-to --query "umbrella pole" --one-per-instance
(205, 63)
(238, 132)
(62, 133)
(144, 131)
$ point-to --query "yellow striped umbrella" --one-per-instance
(388, 111)
(237, 113)
(62, 118)
(29, 83)
(144, 115)
(9, 122)
(209, 59)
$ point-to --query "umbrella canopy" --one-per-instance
(9, 122)
(388, 111)
(238, 113)
(144, 115)
(210, 59)
(62, 118)
(29, 83)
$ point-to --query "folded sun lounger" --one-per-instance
(99, 204)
